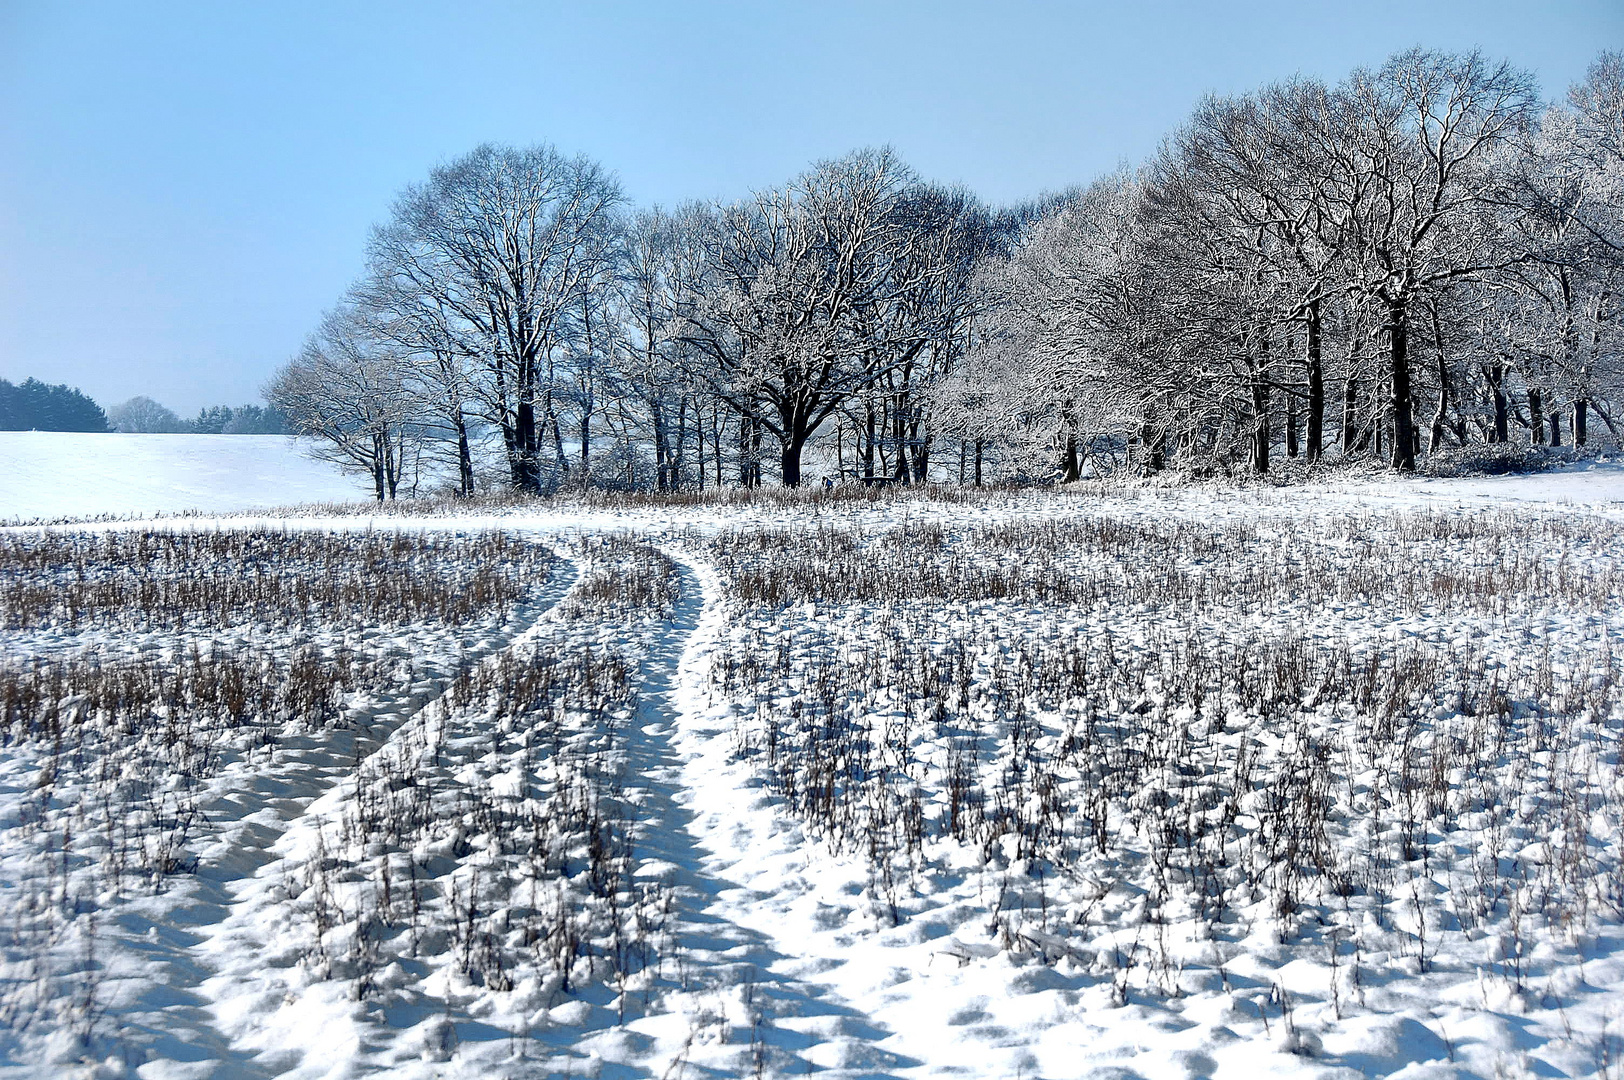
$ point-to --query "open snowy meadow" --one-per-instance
(51, 475)
(1118, 783)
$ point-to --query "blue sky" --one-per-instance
(184, 187)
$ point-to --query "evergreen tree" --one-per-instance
(35, 406)
(212, 420)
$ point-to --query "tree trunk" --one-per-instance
(1435, 439)
(1398, 343)
(392, 464)
(797, 428)
(377, 467)
(1536, 416)
(662, 448)
(1260, 425)
(1071, 464)
(1150, 445)
(1314, 422)
(1291, 429)
(699, 443)
(1350, 413)
(870, 433)
(919, 450)
(716, 440)
(1495, 376)
(1556, 427)
(899, 439)
(1580, 407)
(586, 376)
(677, 454)
(755, 455)
(790, 459)
(555, 425)
(465, 459)
(749, 453)
(522, 452)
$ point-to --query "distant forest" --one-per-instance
(37, 406)
(34, 406)
(142, 414)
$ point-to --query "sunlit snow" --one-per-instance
(47, 475)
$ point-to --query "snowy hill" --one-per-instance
(51, 474)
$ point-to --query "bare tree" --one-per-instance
(435, 369)
(1251, 170)
(651, 365)
(802, 297)
(1070, 345)
(1419, 144)
(505, 244)
(347, 394)
(142, 414)
(1554, 317)
(925, 330)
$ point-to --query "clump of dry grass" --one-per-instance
(161, 579)
(1207, 716)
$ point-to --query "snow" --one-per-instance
(51, 475)
(778, 954)
(1588, 483)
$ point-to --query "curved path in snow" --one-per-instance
(205, 938)
(212, 999)
(798, 1026)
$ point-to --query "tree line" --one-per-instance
(144, 415)
(35, 406)
(1418, 258)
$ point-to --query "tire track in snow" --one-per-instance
(802, 1026)
(214, 939)
(223, 979)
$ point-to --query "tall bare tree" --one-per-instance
(1419, 147)
(802, 297)
(507, 243)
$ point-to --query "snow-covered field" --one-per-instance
(50, 475)
(1316, 781)
(1587, 482)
